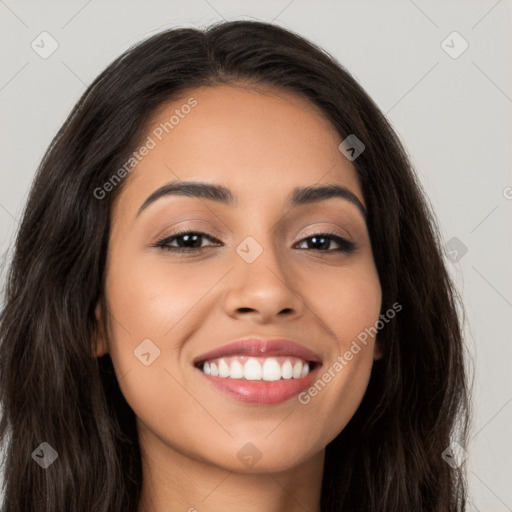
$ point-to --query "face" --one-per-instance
(255, 266)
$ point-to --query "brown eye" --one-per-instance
(322, 241)
(187, 241)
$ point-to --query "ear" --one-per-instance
(377, 352)
(101, 338)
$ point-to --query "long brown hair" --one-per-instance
(52, 388)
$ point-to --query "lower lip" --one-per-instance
(261, 391)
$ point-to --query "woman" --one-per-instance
(228, 292)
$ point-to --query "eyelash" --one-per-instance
(346, 246)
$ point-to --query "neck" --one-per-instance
(174, 482)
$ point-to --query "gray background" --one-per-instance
(453, 115)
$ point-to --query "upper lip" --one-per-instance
(257, 346)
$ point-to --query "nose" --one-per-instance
(264, 289)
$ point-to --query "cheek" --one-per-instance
(150, 306)
(338, 390)
(350, 308)
(348, 301)
(154, 307)
(152, 297)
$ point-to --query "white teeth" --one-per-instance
(257, 368)
(223, 368)
(286, 370)
(252, 370)
(297, 370)
(271, 370)
(236, 370)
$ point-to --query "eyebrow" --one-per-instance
(223, 195)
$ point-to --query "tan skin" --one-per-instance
(261, 145)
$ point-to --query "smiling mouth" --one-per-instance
(268, 369)
(258, 370)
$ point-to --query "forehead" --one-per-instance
(260, 143)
